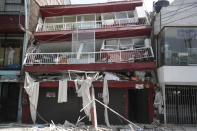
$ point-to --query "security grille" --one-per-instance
(181, 104)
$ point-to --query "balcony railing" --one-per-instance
(120, 56)
(90, 24)
(181, 57)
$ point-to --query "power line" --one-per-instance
(177, 13)
(182, 18)
(176, 10)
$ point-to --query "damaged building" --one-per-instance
(105, 46)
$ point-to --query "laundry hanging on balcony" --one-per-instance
(62, 92)
(32, 89)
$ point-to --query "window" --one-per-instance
(54, 20)
(14, 1)
(130, 14)
(10, 52)
(108, 16)
(177, 46)
(86, 18)
(121, 15)
(69, 19)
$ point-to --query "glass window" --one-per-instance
(111, 44)
(177, 46)
(86, 18)
(98, 17)
(121, 15)
(126, 44)
(108, 16)
(69, 19)
(10, 52)
(14, 1)
(130, 14)
(54, 20)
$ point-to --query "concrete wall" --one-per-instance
(34, 13)
(177, 75)
(179, 13)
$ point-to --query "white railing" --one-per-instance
(90, 24)
(119, 56)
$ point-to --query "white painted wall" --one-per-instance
(179, 13)
(177, 75)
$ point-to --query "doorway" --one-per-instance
(138, 105)
(9, 97)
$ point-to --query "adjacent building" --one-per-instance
(111, 37)
(12, 39)
(175, 39)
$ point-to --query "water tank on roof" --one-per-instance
(159, 4)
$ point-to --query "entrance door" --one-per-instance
(138, 105)
(9, 102)
(181, 104)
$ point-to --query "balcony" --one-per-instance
(120, 56)
(91, 24)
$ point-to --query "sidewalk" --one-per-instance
(40, 127)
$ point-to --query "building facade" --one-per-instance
(175, 37)
(109, 38)
(12, 39)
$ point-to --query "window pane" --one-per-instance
(108, 16)
(130, 14)
(68, 19)
(111, 44)
(14, 1)
(121, 15)
(54, 20)
(178, 46)
(86, 18)
(10, 52)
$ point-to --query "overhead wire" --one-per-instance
(194, 14)
(176, 10)
(178, 13)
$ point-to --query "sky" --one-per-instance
(148, 4)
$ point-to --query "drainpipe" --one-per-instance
(164, 101)
(26, 3)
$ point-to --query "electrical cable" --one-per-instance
(176, 10)
(195, 14)
(185, 7)
(177, 13)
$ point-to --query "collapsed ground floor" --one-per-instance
(180, 105)
(130, 103)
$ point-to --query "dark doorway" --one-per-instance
(9, 96)
(138, 105)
